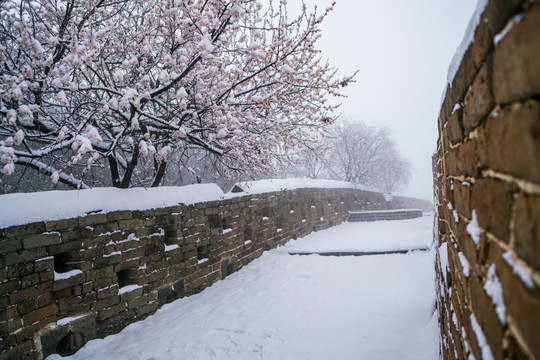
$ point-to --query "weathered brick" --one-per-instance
(20, 351)
(527, 229)
(68, 282)
(119, 215)
(29, 280)
(516, 69)
(10, 245)
(462, 198)
(484, 310)
(521, 301)
(492, 196)
(45, 239)
(108, 227)
(147, 309)
(110, 311)
(454, 127)
(63, 247)
(479, 100)
(131, 224)
(46, 276)
(462, 160)
(40, 314)
(22, 230)
(92, 219)
(61, 224)
(25, 256)
(105, 303)
(7, 287)
(510, 142)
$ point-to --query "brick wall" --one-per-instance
(487, 191)
(400, 202)
(65, 282)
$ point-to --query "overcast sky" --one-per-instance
(402, 49)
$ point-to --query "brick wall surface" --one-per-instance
(487, 191)
(65, 282)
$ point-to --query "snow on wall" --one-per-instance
(25, 208)
(487, 188)
(120, 263)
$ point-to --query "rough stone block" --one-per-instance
(61, 224)
(46, 276)
(77, 279)
(484, 310)
(65, 246)
(21, 351)
(492, 196)
(105, 303)
(462, 160)
(147, 309)
(521, 301)
(479, 100)
(40, 314)
(119, 215)
(22, 230)
(45, 239)
(8, 287)
(29, 280)
(454, 127)
(129, 295)
(10, 245)
(462, 198)
(516, 69)
(30, 292)
(93, 219)
(44, 264)
(527, 229)
(510, 142)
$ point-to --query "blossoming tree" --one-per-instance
(121, 84)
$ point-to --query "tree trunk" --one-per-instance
(115, 174)
(129, 171)
(159, 174)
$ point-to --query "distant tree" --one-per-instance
(366, 154)
(95, 89)
(358, 153)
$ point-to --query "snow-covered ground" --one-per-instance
(368, 237)
(282, 306)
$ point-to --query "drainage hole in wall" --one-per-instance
(70, 343)
(64, 262)
(127, 277)
(203, 253)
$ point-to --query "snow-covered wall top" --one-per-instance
(487, 188)
(24, 208)
(271, 185)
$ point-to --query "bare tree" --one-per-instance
(367, 155)
(117, 87)
(358, 153)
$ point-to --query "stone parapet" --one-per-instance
(399, 214)
(487, 191)
(67, 281)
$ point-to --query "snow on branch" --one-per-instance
(112, 88)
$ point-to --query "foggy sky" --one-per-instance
(402, 50)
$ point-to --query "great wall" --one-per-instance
(487, 191)
(65, 282)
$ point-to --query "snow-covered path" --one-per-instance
(302, 307)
